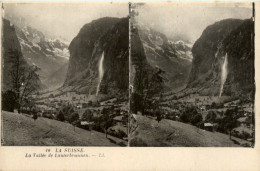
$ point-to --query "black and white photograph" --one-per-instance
(129, 85)
(128, 74)
(65, 74)
(192, 75)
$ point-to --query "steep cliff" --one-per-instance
(232, 38)
(108, 35)
(11, 43)
(239, 47)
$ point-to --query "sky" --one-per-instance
(188, 20)
(64, 20)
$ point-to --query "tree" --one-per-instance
(106, 122)
(211, 117)
(74, 119)
(158, 116)
(87, 115)
(184, 117)
(8, 101)
(60, 116)
(153, 94)
(24, 78)
(230, 120)
(196, 119)
(213, 105)
(191, 115)
(148, 91)
(66, 110)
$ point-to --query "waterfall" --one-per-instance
(100, 72)
(224, 74)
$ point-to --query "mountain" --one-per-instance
(56, 79)
(106, 35)
(173, 57)
(10, 43)
(49, 54)
(231, 38)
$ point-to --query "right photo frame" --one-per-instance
(192, 75)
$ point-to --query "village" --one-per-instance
(90, 110)
(210, 111)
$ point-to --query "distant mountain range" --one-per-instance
(173, 57)
(198, 67)
(48, 54)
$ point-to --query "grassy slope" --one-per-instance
(21, 130)
(171, 133)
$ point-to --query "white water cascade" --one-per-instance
(100, 72)
(224, 74)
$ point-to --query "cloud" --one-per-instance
(64, 19)
(189, 19)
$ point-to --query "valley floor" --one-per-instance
(22, 130)
(148, 132)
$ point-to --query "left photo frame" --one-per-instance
(65, 74)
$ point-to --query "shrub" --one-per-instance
(87, 115)
(73, 118)
(196, 119)
(211, 117)
(60, 116)
(184, 117)
(66, 110)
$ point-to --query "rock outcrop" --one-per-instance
(231, 37)
(108, 35)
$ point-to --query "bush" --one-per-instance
(184, 118)
(196, 119)
(158, 115)
(67, 111)
(73, 118)
(60, 116)
(189, 115)
(138, 142)
(211, 117)
(87, 115)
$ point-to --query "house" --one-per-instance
(210, 127)
(87, 125)
(118, 118)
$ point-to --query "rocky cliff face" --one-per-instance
(229, 37)
(173, 57)
(48, 54)
(239, 47)
(108, 35)
(10, 43)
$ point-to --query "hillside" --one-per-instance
(22, 130)
(147, 132)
